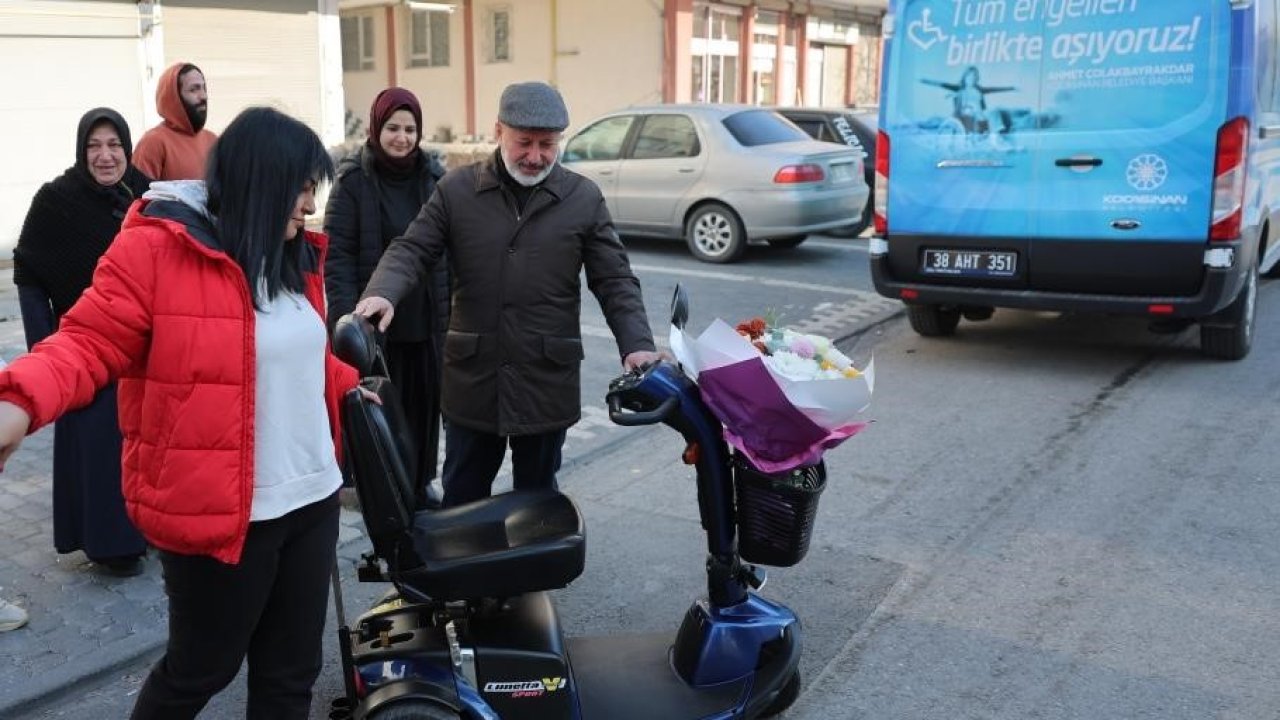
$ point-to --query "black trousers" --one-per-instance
(472, 459)
(269, 608)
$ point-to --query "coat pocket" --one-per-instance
(562, 351)
(460, 345)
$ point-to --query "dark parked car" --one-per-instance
(855, 128)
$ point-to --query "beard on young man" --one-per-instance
(197, 114)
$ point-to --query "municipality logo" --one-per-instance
(1146, 172)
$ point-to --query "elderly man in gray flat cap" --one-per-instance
(519, 228)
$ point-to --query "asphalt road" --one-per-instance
(1051, 517)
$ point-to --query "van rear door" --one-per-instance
(1133, 96)
(962, 81)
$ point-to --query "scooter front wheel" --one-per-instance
(413, 710)
(786, 696)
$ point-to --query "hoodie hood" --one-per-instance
(169, 101)
(186, 202)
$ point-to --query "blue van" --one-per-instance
(1113, 156)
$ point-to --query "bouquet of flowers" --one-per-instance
(783, 396)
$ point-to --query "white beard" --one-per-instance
(526, 180)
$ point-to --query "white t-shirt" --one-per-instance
(293, 450)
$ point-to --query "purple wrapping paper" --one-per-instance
(761, 422)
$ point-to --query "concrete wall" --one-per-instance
(610, 55)
(266, 53)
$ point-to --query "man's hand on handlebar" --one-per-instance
(376, 307)
(641, 359)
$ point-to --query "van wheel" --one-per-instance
(933, 320)
(1232, 339)
(787, 242)
(714, 234)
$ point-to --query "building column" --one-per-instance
(469, 65)
(802, 58)
(332, 128)
(677, 36)
(851, 75)
(393, 61)
(779, 58)
(746, 46)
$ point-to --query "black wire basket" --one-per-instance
(776, 511)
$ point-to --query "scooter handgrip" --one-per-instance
(640, 417)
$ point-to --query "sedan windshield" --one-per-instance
(761, 127)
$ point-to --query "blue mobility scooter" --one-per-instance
(469, 630)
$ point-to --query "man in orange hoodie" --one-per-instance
(176, 148)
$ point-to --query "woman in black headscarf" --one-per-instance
(71, 222)
(379, 191)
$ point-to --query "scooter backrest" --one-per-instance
(355, 342)
(383, 463)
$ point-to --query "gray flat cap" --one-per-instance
(533, 106)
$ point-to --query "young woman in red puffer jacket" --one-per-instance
(209, 310)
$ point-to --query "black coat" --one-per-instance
(353, 222)
(514, 346)
(70, 224)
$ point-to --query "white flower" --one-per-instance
(792, 366)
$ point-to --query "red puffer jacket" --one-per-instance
(170, 315)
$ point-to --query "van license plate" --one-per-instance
(970, 263)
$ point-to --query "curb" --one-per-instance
(92, 668)
(84, 671)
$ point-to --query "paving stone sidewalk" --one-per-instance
(83, 623)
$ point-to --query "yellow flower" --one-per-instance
(828, 365)
(850, 372)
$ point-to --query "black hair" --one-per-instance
(255, 172)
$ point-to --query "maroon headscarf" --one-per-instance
(384, 106)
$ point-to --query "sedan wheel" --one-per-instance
(714, 234)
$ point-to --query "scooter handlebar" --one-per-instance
(631, 418)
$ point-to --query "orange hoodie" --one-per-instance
(172, 150)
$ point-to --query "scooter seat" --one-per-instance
(502, 546)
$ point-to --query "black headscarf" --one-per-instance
(73, 219)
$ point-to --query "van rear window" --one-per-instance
(761, 127)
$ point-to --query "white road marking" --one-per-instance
(753, 279)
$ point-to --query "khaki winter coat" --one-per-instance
(514, 346)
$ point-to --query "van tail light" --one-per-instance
(805, 173)
(881, 206)
(1229, 171)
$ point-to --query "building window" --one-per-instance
(714, 49)
(357, 43)
(429, 39)
(498, 34)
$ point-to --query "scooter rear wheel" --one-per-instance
(413, 710)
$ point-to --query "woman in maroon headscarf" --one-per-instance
(378, 193)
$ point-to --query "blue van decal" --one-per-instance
(1051, 118)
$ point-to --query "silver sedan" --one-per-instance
(719, 176)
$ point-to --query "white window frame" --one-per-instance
(425, 59)
(364, 51)
(495, 51)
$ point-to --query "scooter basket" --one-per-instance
(776, 511)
